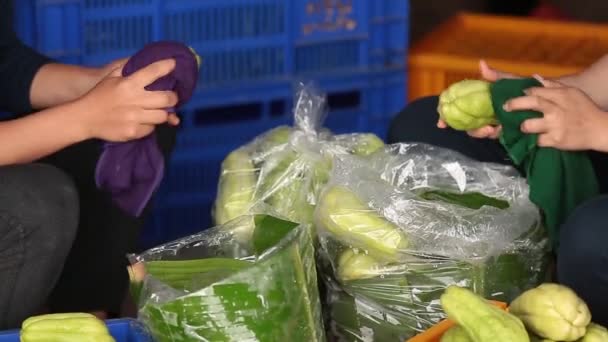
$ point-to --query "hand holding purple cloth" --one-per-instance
(132, 171)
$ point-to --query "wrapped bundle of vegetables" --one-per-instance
(285, 168)
(211, 287)
(398, 227)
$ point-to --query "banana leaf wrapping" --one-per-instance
(211, 287)
(396, 228)
(285, 168)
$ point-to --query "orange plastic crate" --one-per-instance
(435, 333)
(514, 44)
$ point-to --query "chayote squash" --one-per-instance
(357, 265)
(481, 320)
(65, 327)
(456, 334)
(552, 311)
(595, 333)
(236, 187)
(467, 105)
(347, 217)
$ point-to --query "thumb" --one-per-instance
(487, 73)
(493, 75)
(116, 72)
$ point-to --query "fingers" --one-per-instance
(535, 103)
(547, 83)
(152, 72)
(545, 140)
(159, 99)
(555, 95)
(152, 117)
(116, 72)
(485, 132)
(441, 124)
(173, 119)
(535, 126)
(144, 130)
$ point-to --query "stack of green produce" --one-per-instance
(212, 287)
(399, 226)
(283, 170)
(547, 313)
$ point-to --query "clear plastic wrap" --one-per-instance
(213, 287)
(399, 226)
(285, 168)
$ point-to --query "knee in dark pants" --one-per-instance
(39, 219)
(44, 201)
(582, 262)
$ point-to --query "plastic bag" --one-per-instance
(285, 168)
(211, 287)
(396, 228)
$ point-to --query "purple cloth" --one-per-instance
(132, 171)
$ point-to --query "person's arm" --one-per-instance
(56, 83)
(116, 109)
(593, 81)
(35, 136)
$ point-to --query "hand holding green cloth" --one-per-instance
(559, 180)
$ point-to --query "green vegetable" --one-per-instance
(66, 327)
(472, 200)
(274, 297)
(353, 265)
(467, 105)
(552, 311)
(354, 317)
(456, 334)
(274, 138)
(367, 144)
(236, 187)
(595, 333)
(346, 217)
(286, 187)
(481, 320)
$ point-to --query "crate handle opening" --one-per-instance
(228, 114)
(344, 100)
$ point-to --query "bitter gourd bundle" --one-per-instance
(212, 287)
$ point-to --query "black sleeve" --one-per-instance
(18, 65)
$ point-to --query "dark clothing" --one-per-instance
(582, 262)
(48, 212)
(38, 221)
(18, 65)
(582, 259)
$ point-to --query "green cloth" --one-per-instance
(559, 180)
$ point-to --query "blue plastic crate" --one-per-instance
(240, 40)
(123, 330)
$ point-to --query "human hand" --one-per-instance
(492, 75)
(116, 68)
(571, 120)
(120, 108)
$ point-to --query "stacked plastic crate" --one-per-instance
(253, 53)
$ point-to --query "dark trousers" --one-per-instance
(582, 258)
(63, 243)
